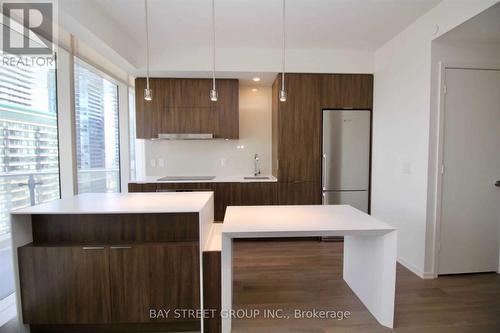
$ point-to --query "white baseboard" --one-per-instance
(7, 309)
(421, 274)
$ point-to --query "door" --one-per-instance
(470, 203)
(64, 285)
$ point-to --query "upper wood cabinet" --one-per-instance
(183, 106)
(350, 91)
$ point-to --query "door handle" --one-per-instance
(497, 183)
(324, 172)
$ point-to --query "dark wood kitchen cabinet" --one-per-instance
(183, 106)
(225, 193)
(107, 284)
(297, 139)
(104, 272)
(212, 290)
(65, 284)
(243, 194)
(299, 193)
(165, 187)
(157, 276)
(297, 128)
(141, 187)
(349, 91)
(297, 123)
(227, 109)
(256, 194)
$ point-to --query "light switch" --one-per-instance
(223, 162)
(161, 162)
(152, 162)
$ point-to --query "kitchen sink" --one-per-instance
(257, 177)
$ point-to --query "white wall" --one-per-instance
(205, 157)
(461, 54)
(401, 120)
(263, 60)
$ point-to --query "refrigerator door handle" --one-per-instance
(325, 170)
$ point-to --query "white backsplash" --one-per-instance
(219, 157)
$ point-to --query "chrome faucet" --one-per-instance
(256, 167)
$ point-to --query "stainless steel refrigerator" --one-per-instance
(346, 157)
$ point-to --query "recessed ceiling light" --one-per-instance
(256, 79)
(254, 89)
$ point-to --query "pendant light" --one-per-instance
(282, 93)
(148, 93)
(213, 93)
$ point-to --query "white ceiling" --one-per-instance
(483, 28)
(337, 36)
(315, 24)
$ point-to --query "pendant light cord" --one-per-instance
(147, 42)
(283, 47)
(213, 44)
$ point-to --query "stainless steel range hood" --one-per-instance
(185, 136)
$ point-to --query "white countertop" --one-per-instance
(290, 221)
(214, 242)
(117, 203)
(217, 179)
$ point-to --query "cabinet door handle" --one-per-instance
(88, 248)
(117, 247)
(325, 172)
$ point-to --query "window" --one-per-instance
(131, 110)
(29, 156)
(97, 130)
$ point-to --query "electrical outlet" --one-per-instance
(152, 163)
(161, 163)
(223, 162)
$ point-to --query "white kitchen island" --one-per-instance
(369, 248)
(160, 236)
